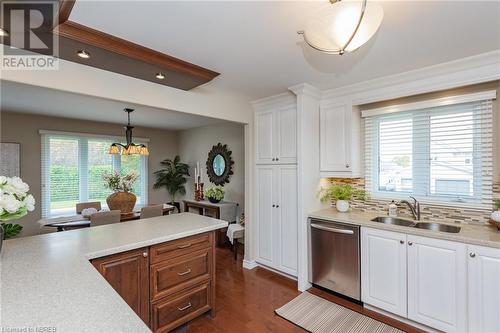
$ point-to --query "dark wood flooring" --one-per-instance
(246, 300)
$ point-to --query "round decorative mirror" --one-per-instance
(219, 164)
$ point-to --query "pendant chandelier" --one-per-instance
(344, 26)
(130, 148)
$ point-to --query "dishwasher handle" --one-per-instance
(338, 231)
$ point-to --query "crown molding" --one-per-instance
(457, 73)
(306, 89)
(285, 99)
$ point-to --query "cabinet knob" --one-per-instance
(144, 254)
(274, 159)
(277, 206)
(277, 159)
(274, 206)
(402, 241)
(472, 254)
(347, 166)
(410, 243)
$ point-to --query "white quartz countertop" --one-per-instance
(48, 281)
(470, 234)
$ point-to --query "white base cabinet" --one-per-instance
(419, 278)
(276, 209)
(437, 283)
(383, 270)
(484, 291)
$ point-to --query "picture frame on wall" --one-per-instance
(10, 153)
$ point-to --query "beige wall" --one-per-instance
(23, 129)
(194, 145)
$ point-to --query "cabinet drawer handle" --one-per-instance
(472, 254)
(184, 246)
(185, 307)
(184, 273)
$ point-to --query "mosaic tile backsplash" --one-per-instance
(434, 213)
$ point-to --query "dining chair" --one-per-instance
(82, 205)
(103, 218)
(151, 211)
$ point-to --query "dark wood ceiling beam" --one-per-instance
(89, 36)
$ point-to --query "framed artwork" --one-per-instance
(10, 159)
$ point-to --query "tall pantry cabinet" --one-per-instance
(275, 190)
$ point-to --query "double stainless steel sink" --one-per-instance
(418, 225)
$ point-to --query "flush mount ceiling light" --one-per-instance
(3, 33)
(83, 54)
(160, 76)
(130, 148)
(344, 26)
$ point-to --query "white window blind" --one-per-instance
(72, 168)
(439, 154)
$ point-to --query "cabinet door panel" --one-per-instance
(436, 283)
(484, 294)
(264, 142)
(264, 192)
(128, 274)
(335, 138)
(383, 267)
(287, 210)
(286, 135)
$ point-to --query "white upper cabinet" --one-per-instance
(437, 287)
(276, 135)
(383, 270)
(484, 293)
(340, 141)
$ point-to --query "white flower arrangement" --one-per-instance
(15, 202)
(117, 183)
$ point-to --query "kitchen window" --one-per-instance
(439, 151)
(72, 169)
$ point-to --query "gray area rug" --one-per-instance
(318, 315)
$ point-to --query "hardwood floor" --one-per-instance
(246, 300)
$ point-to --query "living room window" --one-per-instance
(439, 151)
(72, 169)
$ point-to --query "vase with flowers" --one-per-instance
(15, 202)
(122, 197)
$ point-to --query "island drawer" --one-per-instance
(180, 247)
(173, 311)
(170, 276)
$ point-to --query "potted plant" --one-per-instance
(214, 194)
(15, 202)
(173, 177)
(341, 194)
(122, 198)
(495, 216)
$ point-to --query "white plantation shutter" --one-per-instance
(440, 153)
(72, 166)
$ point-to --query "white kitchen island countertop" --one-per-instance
(47, 281)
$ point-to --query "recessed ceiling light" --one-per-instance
(3, 32)
(83, 54)
(160, 76)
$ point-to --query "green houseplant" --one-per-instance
(214, 194)
(341, 194)
(173, 177)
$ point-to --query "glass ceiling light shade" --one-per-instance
(343, 26)
(130, 148)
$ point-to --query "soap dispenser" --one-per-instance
(393, 209)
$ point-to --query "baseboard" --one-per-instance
(249, 264)
(291, 277)
(401, 319)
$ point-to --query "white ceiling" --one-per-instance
(254, 44)
(17, 97)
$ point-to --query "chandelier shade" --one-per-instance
(129, 148)
(343, 26)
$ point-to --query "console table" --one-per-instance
(224, 210)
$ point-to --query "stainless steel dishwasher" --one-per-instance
(334, 257)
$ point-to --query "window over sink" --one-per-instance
(439, 151)
(72, 169)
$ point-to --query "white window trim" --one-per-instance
(116, 163)
(474, 97)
